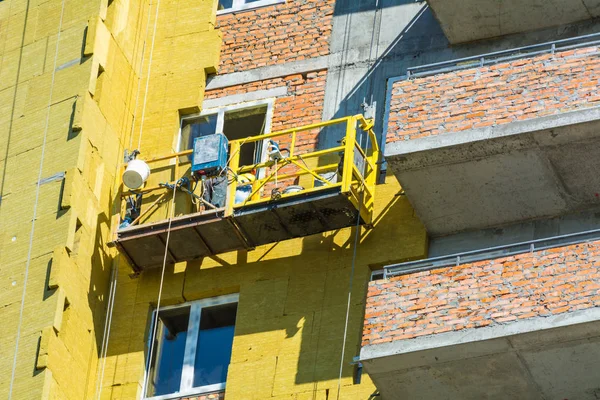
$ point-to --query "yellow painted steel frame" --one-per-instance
(358, 185)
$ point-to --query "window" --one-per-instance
(226, 6)
(192, 348)
(234, 123)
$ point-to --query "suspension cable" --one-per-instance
(148, 75)
(350, 283)
(351, 280)
(160, 288)
(115, 269)
(139, 82)
(107, 326)
(37, 198)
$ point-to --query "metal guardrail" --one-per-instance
(489, 253)
(358, 172)
(502, 56)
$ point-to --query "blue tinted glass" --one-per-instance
(168, 352)
(225, 4)
(201, 127)
(215, 339)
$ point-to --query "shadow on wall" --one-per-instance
(375, 40)
(293, 299)
(394, 35)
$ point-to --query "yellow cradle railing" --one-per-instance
(346, 171)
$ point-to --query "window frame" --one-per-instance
(187, 372)
(241, 5)
(220, 112)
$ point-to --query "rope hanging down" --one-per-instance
(137, 95)
(107, 326)
(149, 73)
(114, 274)
(162, 279)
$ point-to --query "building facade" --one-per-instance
(407, 208)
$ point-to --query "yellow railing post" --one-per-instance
(234, 165)
(348, 154)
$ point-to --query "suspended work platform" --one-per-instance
(304, 193)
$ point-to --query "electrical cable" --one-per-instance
(37, 198)
(357, 227)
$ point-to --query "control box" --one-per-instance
(209, 158)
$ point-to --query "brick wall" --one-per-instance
(211, 396)
(481, 97)
(484, 293)
(303, 104)
(291, 31)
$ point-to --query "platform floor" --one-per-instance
(208, 233)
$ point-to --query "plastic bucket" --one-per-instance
(136, 174)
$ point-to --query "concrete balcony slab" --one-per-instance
(548, 358)
(522, 325)
(527, 169)
(469, 20)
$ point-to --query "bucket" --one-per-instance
(136, 174)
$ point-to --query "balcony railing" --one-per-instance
(488, 253)
(503, 56)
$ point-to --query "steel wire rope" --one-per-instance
(151, 56)
(350, 284)
(139, 82)
(37, 198)
(115, 269)
(160, 287)
(360, 204)
(107, 326)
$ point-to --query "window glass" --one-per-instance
(169, 349)
(215, 340)
(193, 128)
(225, 4)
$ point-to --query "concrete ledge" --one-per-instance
(476, 135)
(245, 97)
(269, 72)
(480, 334)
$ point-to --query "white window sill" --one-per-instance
(250, 6)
